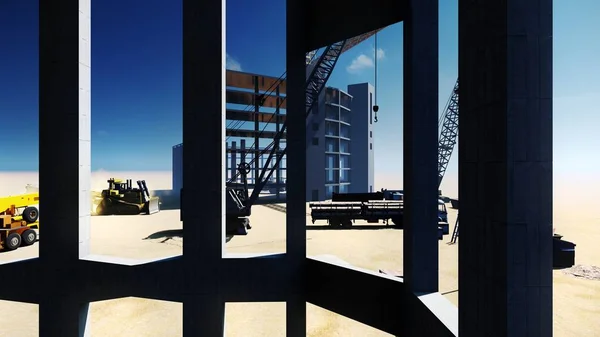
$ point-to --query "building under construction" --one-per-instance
(339, 136)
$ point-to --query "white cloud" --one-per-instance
(232, 64)
(362, 61)
(380, 53)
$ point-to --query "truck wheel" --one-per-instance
(28, 237)
(31, 214)
(13, 241)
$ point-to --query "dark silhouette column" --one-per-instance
(64, 74)
(505, 162)
(296, 166)
(203, 165)
(420, 145)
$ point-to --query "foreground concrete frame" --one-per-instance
(505, 154)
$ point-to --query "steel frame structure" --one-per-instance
(204, 278)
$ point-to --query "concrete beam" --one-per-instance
(329, 20)
(505, 161)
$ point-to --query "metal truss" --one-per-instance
(448, 134)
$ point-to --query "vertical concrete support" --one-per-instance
(420, 145)
(296, 165)
(203, 90)
(85, 125)
(64, 85)
(505, 161)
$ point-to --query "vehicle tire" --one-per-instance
(28, 237)
(347, 223)
(31, 214)
(13, 241)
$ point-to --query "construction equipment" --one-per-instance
(239, 201)
(18, 217)
(122, 199)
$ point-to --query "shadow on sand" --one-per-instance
(353, 227)
(173, 233)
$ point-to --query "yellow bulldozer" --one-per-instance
(121, 198)
(18, 217)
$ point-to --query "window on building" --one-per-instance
(332, 176)
(344, 131)
(344, 161)
(332, 145)
(345, 176)
(344, 188)
(344, 146)
(315, 141)
(332, 112)
(370, 146)
(329, 190)
(370, 134)
(370, 188)
(345, 116)
(331, 161)
(332, 128)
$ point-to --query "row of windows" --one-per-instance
(337, 145)
(336, 97)
(337, 113)
(334, 176)
(335, 161)
(337, 129)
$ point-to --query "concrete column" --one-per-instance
(296, 166)
(505, 161)
(420, 145)
(64, 91)
(85, 125)
(203, 90)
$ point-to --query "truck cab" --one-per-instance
(442, 211)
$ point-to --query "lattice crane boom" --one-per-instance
(448, 133)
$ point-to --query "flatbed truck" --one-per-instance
(346, 208)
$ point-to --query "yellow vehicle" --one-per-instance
(17, 219)
(121, 198)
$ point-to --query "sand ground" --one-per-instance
(576, 300)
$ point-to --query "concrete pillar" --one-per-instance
(203, 90)
(420, 145)
(296, 166)
(85, 124)
(64, 94)
(505, 161)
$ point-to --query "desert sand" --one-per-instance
(575, 299)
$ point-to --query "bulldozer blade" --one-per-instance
(153, 205)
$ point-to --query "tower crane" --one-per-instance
(238, 201)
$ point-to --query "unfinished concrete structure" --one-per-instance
(505, 155)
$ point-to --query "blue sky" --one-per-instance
(136, 78)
